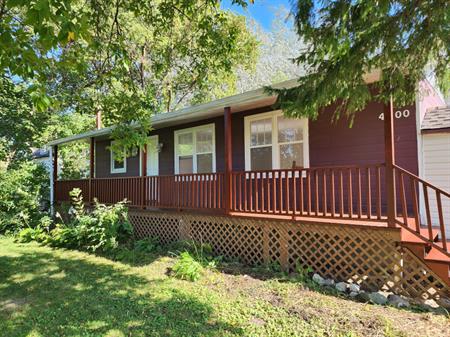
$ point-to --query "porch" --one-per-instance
(347, 195)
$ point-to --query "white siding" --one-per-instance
(436, 170)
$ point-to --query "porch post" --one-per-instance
(91, 167)
(52, 183)
(389, 152)
(144, 174)
(228, 159)
(54, 179)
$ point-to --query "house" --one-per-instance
(234, 172)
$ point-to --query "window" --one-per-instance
(118, 165)
(275, 142)
(195, 150)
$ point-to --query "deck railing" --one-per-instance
(423, 208)
(344, 192)
(184, 191)
(354, 192)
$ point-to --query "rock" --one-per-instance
(318, 279)
(378, 298)
(444, 302)
(431, 303)
(363, 297)
(328, 282)
(354, 288)
(353, 294)
(398, 301)
(342, 287)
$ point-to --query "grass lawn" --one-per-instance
(56, 292)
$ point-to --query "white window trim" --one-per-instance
(113, 169)
(275, 144)
(194, 130)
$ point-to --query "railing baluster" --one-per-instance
(415, 205)
(441, 220)
(350, 193)
(427, 211)
(358, 170)
(256, 193)
(316, 190)
(309, 192)
(324, 192)
(341, 193)
(302, 206)
(294, 195)
(333, 194)
(378, 192)
(288, 201)
(369, 194)
(403, 199)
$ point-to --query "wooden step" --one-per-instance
(436, 255)
(409, 237)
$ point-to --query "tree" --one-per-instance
(277, 49)
(20, 124)
(345, 39)
(128, 59)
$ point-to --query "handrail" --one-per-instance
(427, 219)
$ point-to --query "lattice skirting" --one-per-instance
(367, 256)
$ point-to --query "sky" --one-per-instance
(261, 11)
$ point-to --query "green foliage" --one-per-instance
(77, 202)
(192, 260)
(102, 230)
(127, 59)
(187, 267)
(347, 39)
(20, 123)
(148, 245)
(23, 196)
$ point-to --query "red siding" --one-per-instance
(103, 162)
(363, 143)
(329, 143)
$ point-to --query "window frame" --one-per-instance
(275, 143)
(194, 130)
(114, 170)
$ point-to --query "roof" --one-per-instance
(193, 113)
(40, 153)
(240, 102)
(437, 119)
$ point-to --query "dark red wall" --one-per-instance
(363, 143)
(329, 143)
(103, 162)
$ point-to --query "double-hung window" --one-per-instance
(118, 165)
(195, 150)
(273, 141)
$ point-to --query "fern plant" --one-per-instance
(76, 200)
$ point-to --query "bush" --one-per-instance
(193, 259)
(100, 230)
(23, 196)
(187, 268)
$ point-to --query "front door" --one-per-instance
(152, 156)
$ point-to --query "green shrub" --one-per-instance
(148, 245)
(23, 197)
(187, 268)
(100, 230)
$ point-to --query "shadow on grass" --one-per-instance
(54, 296)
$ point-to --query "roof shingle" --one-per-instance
(438, 118)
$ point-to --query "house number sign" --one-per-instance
(398, 114)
